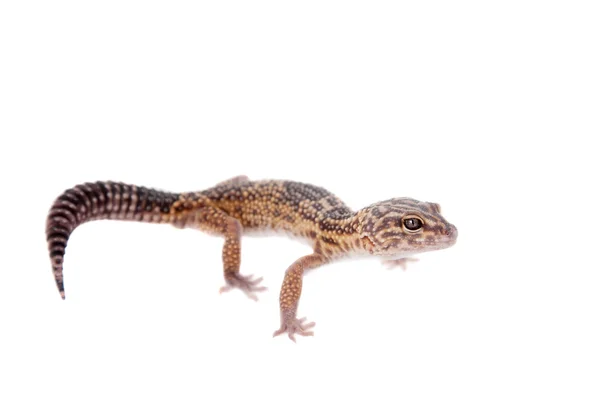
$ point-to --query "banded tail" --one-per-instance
(100, 200)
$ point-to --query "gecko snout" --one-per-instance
(451, 232)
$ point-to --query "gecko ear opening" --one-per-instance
(367, 243)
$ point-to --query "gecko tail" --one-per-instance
(61, 290)
(95, 201)
(60, 223)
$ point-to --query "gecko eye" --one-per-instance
(413, 224)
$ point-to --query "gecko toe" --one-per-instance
(399, 263)
(294, 326)
(245, 283)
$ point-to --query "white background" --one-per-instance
(487, 108)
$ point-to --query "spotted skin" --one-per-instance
(390, 230)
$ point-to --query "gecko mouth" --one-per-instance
(417, 245)
(444, 243)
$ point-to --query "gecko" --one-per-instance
(390, 230)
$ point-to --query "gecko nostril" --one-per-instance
(451, 231)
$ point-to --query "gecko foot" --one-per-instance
(401, 262)
(245, 283)
(293, 325)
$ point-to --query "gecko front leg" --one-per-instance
(401, 262)
(290, 296)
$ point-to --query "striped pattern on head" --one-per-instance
(403, 225)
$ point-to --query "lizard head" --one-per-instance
(402, 226)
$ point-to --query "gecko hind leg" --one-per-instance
(214, 220)
(245, 283)
(231, 262)
(234, 181)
